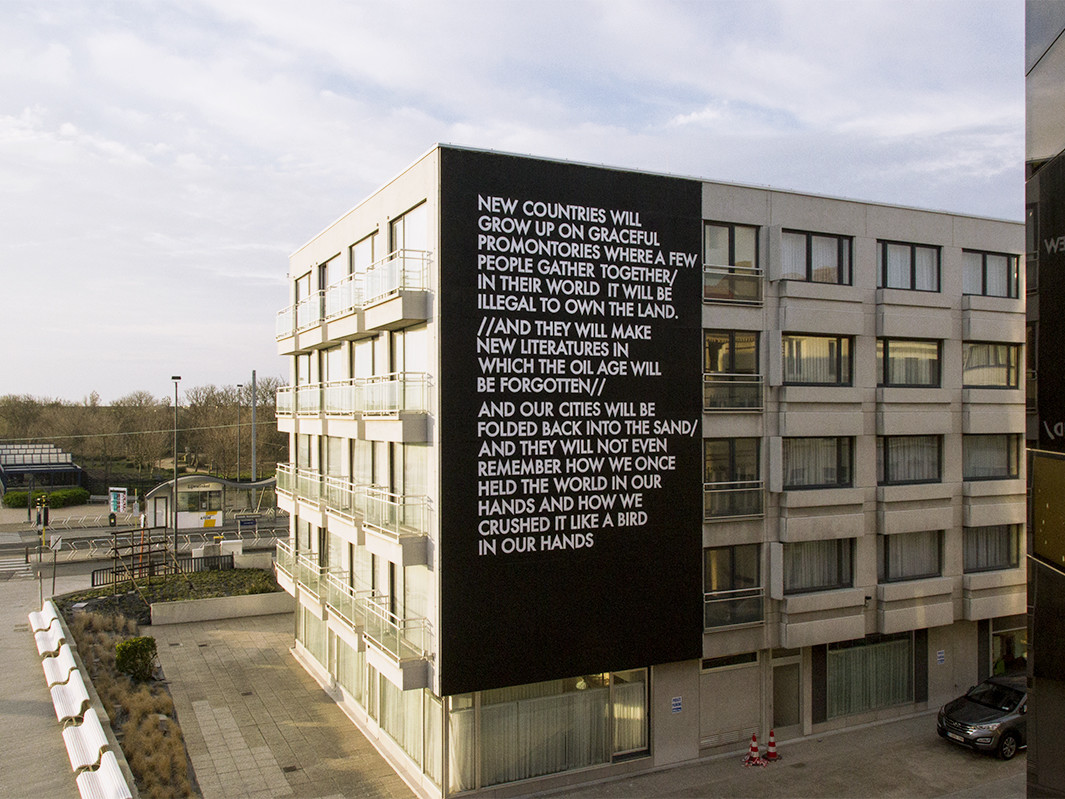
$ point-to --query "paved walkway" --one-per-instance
(256, 724)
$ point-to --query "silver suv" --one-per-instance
(990, 716)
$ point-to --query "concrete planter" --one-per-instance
(225, 607)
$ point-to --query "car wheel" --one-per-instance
(1007, 747)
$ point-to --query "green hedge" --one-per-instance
(135, 657)
(59, 498)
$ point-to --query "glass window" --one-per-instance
(906, 362)
(818, 565)
(991, 547)
(816, 360)
(907, 266)
(989, 365)
(910, 556)
(990, 457)
(816, 257)
(362, 254)
(730, 352)
(869, 673)
(907, 459)
(818, 462)
(732, 585)
(730, 245)
(730, 460)
(989, 274)
(411, 230)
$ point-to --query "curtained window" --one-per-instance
(815, 257)
(991, 547)
(906, 362)
(990, 457)
(907, 459)
(818, 565)
(730, 352)
(869, 673)
(910, 556)
(907, 266)
(816, 360)
(818, 462)
(989, 365)
(989, 274)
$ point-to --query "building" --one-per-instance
(1045, 195)
(598, 471)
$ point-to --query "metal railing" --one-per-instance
(157, 566)
(286, 322)
(402, 270)
(729, 608)
(400, 391)
(309, 573)
(738, 498)
(309, 310)
(306, 484)
(732, 284)
(380, 395)
(345, 601)
(724, 391)
(285, 559)
(394, 515)
(402, 639)
(344, 296)
(309, 399)
(344, 498)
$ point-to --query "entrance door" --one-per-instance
(787, 696)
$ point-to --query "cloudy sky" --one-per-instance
(160, 161)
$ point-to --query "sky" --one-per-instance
(160, 161)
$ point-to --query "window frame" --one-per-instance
(731, 333)
(883, 559)
(883, 362)
(882, 246)
(844, 458)
(840, 359)
(732, 459)
(1014, 544)
(883, 472)
(1013, 369)
(844, 565)
(731, 227)
(1014, 448)
(1013, 278)
(844, 252)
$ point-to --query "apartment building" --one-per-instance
(597, 471)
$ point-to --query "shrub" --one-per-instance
(135, 657)
(60, 498)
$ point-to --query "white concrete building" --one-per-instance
(596, 471)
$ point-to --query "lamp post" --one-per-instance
(175, 378)
(239, 387)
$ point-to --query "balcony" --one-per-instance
(732, 392)
(285, 325)
(344, 296)
(736, 285)
(285, 566)
(402, 270)
(733, 607)
(300, 485)
(378, 396)
(397, 647)
(309, 311)
(733, 499)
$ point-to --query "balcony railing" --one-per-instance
(732, 392)
(346, 601)
(732, 284)
(305, 484)
(402, 270)
(403, 639)
(286, 401)
(387, 395)
(309, 573)
(309, 399)
(739, 498)
(286, 478)
(286, 558)
(345, 498)
(728, 608)
(382, 395)
(394, 515)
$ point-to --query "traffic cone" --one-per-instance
(752, 758)
(771, 751)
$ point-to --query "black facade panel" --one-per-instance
(920, 665)
(819, 683)
(570, 420)
(1051, 229)
(983, 649)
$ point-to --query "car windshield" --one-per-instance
(999, 697)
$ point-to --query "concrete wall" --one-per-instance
(226, 607)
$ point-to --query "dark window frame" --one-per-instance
(844, 558)
(1013, 280)
(883, 352)
(884, 476)
(849, 381)
(1013, 369)
(732, 351)
(882, 265)
(1015, 447)
(883, 564)
(731, 226)
(732, 460)
(1013, 530)
(843, 458)
(844, 246)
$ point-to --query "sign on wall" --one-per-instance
(571, 502)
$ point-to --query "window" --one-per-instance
(907, 266)
(988, 365)
(362, 254)
(817, 360)
(732, 477)
(730, 258)
(818, 565)
(815, 257)
(907, 459)
(990, 548)
(411, 230)
(989, 274)
(732, 586)
(910, 556)
(905, 362)
(818, 462)
(730, 366)
(990, 457)
(870, 673)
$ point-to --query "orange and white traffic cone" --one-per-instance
(752, 758)
(771, 751)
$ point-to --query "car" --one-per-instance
(990, 717)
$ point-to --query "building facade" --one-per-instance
(597, 471)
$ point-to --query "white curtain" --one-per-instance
(972, 276)
(910, 556)
(998, 276)
(816, 359)
(871, 676)
(985, 364)
(989, 456)
(824, 260)
(898, 266)
(926, 272)
(814, 462)
(793, 256)
(814, 565)
(991, 547)
(907, 459)
(401, 718)
(630, 716)
(911, 363)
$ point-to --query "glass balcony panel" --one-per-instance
(286, 478)
(285, 557)
(309, 399)
(309, 573)
(309, 311)
(727, 608)
(732, 284)
(286, 401)
(285, 324)
(387, 395)
(743, 498)
(401, 270)
(309, 485)
(732, 392)
(345, 601)
(403, 639)
(395, 514)
(341, 397)
(344, 296)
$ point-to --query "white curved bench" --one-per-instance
(86, 742)
(42, 619)
(49, 640)
(70, 698)
(107, 782)
(57, 669)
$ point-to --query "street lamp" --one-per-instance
(175, 378)
(239, 387)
